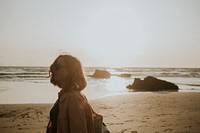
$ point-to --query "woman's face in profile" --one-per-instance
(61, 72)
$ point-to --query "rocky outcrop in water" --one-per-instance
(101, 74)
(152, 84)
(124, 75)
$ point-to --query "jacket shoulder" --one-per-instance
(65, 96)
(73, 96)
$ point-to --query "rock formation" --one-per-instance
(152, 84)
(124, 75)
(101, 74)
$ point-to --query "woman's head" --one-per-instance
(68, 70)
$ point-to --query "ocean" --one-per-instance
(20, 85)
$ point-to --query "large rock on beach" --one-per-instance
(101, 74)
(152, 84)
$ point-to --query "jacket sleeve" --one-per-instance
(77, 117)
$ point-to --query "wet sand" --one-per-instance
(177, 112)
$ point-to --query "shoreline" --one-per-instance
(106, 96)
(143, 112)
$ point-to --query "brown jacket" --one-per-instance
(75, 114)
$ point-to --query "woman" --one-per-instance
(71, 112)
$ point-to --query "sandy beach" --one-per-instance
(177, 112)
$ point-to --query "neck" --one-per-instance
(65, 87)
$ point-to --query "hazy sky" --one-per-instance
(115, 33)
